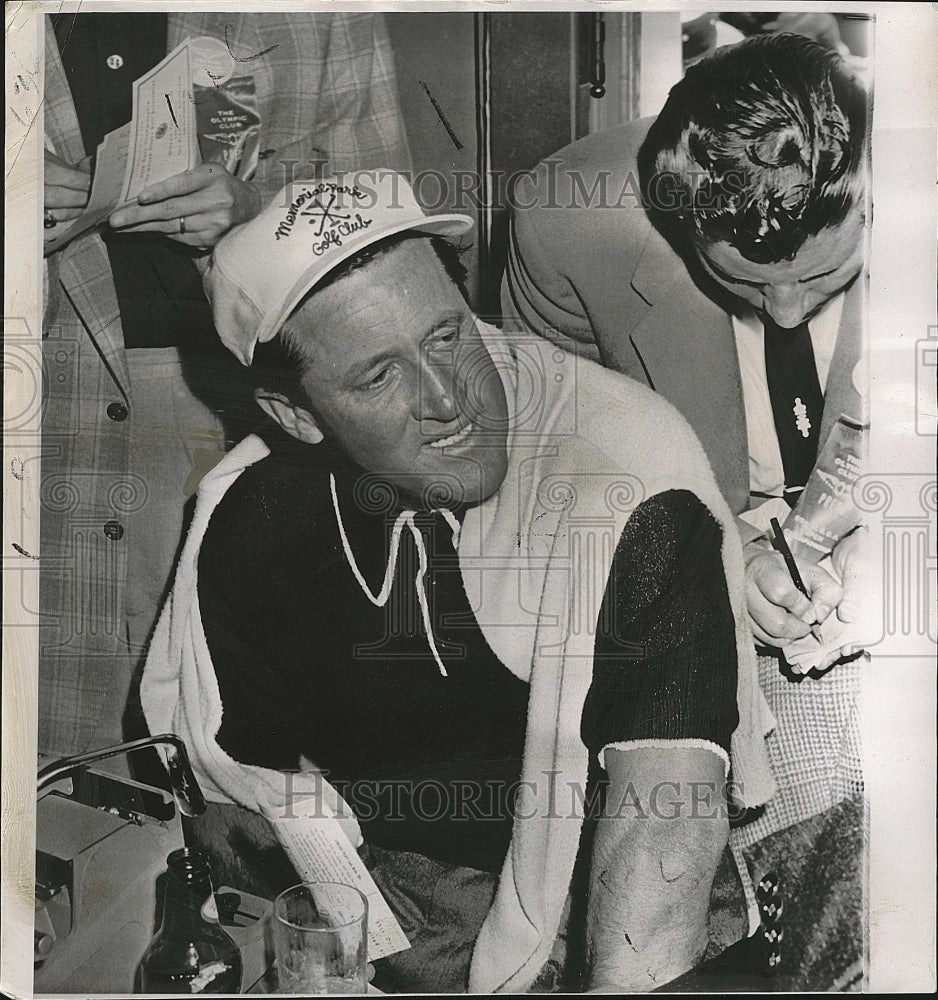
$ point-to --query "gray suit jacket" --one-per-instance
(587, 269)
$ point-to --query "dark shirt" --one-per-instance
(307, 665)
(159, 289)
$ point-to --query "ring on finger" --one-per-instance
(182, 226)
(49, 221)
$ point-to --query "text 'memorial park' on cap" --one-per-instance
(261, 270)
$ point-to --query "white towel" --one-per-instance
(179, 690)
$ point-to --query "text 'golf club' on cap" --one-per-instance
(261, 270)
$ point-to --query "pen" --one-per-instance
(781, 546)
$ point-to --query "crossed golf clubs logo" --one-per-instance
(324, 213)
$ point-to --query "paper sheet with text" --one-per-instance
(321, 852)
(159, 142)
(163, 141)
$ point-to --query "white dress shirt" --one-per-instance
(766, 473)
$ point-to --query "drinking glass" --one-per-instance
(321, 939)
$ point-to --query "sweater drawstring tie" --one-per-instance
(406, 517)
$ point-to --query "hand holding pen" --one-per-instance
(780, 544)
(781, 611)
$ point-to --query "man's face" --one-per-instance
(401, 380)
(792, 291)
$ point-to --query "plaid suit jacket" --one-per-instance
(326, 92)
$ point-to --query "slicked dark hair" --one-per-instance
(281, 363)
(761, 145)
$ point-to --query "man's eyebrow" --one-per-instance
(456, 316)
(358, 371)
(720, 273)
(758, 284)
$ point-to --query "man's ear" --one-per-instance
(296, 421)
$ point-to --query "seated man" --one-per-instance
(460, 562)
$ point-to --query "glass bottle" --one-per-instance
(191, 952)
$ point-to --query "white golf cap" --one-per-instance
(261, 270)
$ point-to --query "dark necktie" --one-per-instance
(797, 401)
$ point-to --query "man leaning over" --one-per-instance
(715, 253)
